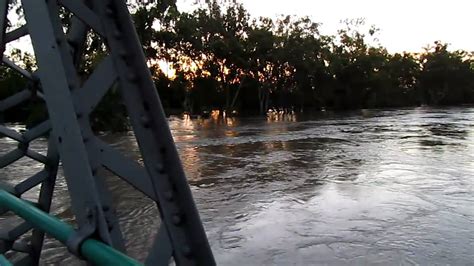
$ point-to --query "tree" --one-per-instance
(446, 77)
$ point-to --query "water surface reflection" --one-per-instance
(374, 187)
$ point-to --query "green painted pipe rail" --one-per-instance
(94, 251)
(4, 261)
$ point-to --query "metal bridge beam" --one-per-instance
(70, 101)
(57, 81)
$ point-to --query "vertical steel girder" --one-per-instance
(3, 23)
(59, 80)
(154, 138)
(70, 101)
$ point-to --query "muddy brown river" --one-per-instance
(378, 187)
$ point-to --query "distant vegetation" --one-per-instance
(221, 58)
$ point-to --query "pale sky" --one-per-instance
(405, 25)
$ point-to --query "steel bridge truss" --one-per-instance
(70, 102)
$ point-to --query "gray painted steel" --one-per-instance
(70, 100)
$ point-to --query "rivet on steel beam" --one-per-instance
(123, 53)
(109, 11)
(187, 251)
(89, 212)
(145, 121)
(176, 219)
(163, 150)
(169, 195)
(71, 41)
(159, 167)
(132, 77)
(117, 34)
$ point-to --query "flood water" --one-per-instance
(387, 187)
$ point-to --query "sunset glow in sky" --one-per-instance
(406, 25)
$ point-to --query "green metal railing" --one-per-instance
(94, 251)
(4, 261)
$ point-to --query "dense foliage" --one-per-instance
(224, 59)
(218, 57)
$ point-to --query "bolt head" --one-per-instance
(132, 77)
(117, 34)
(109, 12)
(176, 219)
(187, 251)
(169, 195)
